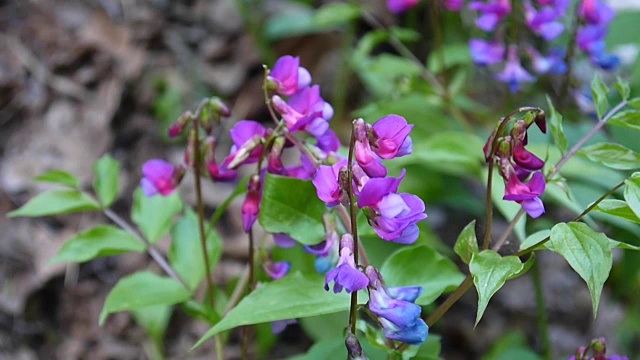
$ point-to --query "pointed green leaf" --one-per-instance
(534, 239)
(102, 240)
(59, 177)
(588, 253)
(292, 206)
(143, 289)
(622, 245)
(632, 193)
(599, 92)
(617, 208)
(56, 202)
(623, 88)
(185, 254)
(154, 214)
(555, 125)
(421, 266)
(490, 272)
(467, 243)
(614, 156)
(634, 102)
(629, 119)
(106, 172)
(294, 296)
(335, 14)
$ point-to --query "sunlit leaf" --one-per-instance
(611, 155)
(102, 240)
(153, 214)
(467, 243)
(56, 202)
(599, 92)
(106, 173)
(59, 177)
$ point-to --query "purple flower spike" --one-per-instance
(277, 270)
(346, 275)
(525, 159)
(486, 53)
(401, 6)
(160, 177)
(513, 73)
(396, 311)
(492, 12)
(390, 134)
(527, 194)
(288, 76)
(327, 183)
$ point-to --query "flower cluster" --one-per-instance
(598, 350)
(520, 169)
(595, 16)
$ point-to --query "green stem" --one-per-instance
(541, 311)
(354, 225)
(452, 299)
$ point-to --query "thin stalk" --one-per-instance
(155, 255)
(508, 230)
(354, 226)
(541, 311)
(345, 218)
(452, 299)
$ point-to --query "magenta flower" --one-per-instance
(346, 275)
(393, 216)
(327, 183)
(368, 160)
(251, 206)
(277, 270)
(220, 172)
(401, 6)
(543, 21)
(513, 73)
(596, 12)
(486, 53)
(527, 194)
(160, 177)
(305, 110)
(396, 310)
(492, 12)
(453, 5)
(247, 136)
(525, 159)
(390, 134)
(288, 76)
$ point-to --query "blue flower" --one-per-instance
(513, 73)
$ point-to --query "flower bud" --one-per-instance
(274, 165)
(245, 151)
(178, 127)
(354, 349)
(251, 205)
(220, 107)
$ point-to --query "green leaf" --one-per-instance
(555, 125)
(154, 214)
(622, 245)
(294, 296)
(490, 272)
(611, 155)
(421, 266)
(617, 208)
(335, 14)
(59, 177)
(454, 54)
(143, 289)
(292, 206)
(106, 176)
(632, 193)
(623, 88)
(588, 253)
(629, 119)
(154, 319)
(56, 202)
(599, 92)
(185, 254)
(634, 102)
(534, 239)
(467, 244)
(102, 240)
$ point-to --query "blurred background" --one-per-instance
(81, 78)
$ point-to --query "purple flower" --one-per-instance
(527, 194)
(596, 12)
(396, 311)
(368, 160)
(486, 53)
(247, 136)
(305, 110)
(327, 183)
(328, 142)
(390, 134)
(513, 72)
(305, 171)
(492, 11)
(543, 21)
(393, 216)
(278, 326)
(277, 270)
(251, 206)
(553, 63)
(288, 76)
(453, 5)
(160, 177)
(525, 159)
(400, 6)
(324, 247)
(346, 275)
(284, 241)
(590, 39)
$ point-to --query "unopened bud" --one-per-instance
(178, 127)
(541, 121)
(220, 107)
(245, 151)
(360, 129)
(275, 162)
(354, 349)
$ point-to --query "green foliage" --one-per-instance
(435, 273)
(467, 244)
(185, 254)
(555, 125)
(296, 295)
(617, 208)
(490, 272)
(588, 253)
(102, 240)
(622, 87)
(612, 155)
(56, 202)
(154, 319)
(292, 206)
(632, 193)
(59, 177)
(599, 92)
(335, 14)
(105, 182)
(628, 119)
(634, 103)
(454, 153)
(153, 214)
(143, 289)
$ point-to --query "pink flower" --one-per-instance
(400, 6)
(327, 183)
(288, 76)
(390, 134)
(160, 177)
(526, 194)
(305, 110)
(251, 206)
